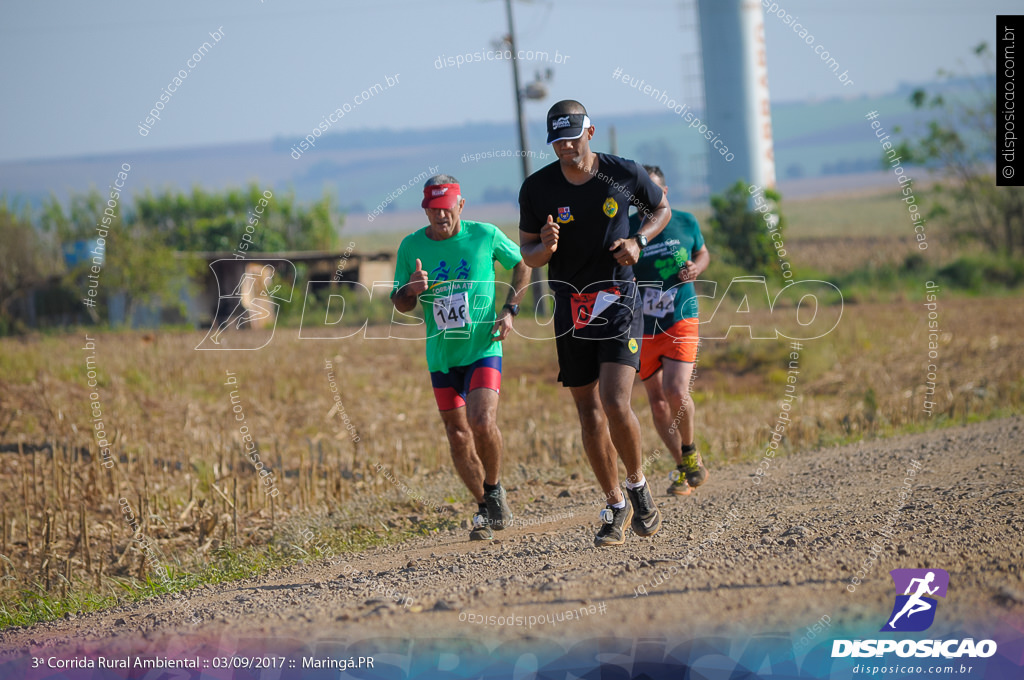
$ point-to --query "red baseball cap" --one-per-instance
(443, 196)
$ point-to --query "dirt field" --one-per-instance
(365, 462)
(735, 557)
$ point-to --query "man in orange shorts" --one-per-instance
(665, 273)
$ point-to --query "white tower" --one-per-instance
(736, 93)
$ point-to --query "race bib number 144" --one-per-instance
(657, 303)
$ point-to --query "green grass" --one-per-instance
(971, 275)
(862, 216)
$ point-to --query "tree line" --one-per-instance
(141, 254)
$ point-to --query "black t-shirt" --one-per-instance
(591, 217)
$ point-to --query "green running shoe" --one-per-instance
(693, 469)
(678, 486)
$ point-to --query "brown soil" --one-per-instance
(735, 556)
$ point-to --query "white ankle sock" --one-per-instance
(643, 480)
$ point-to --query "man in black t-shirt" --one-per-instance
(573, 217)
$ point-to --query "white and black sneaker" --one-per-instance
(498, 512)
(646, 518)
(613, 528)
(481, 530)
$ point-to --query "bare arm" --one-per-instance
(520, 279)
(657, 220)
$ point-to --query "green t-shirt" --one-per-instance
(666, 299)
(458, 306)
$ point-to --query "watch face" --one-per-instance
(641, 240)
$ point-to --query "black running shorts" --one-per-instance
(580, 359)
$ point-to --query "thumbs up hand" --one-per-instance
(549, 235)
(418, 280)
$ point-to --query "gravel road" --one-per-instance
(735, 557)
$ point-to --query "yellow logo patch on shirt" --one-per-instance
(611, 207)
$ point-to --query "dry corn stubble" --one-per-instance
(181, 464)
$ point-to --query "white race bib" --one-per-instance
(452, 311)
(657, 303)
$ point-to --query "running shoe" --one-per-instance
(481, 525)
(678, 487)
(498, 512)
(646, 518)
(612, 531)
(694, 470)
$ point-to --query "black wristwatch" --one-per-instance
(641, 240)
(512, 309)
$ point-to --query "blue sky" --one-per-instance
(80, 77)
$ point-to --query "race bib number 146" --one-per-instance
(452, 311)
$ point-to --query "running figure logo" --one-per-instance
(914, 610)
(442, 272)
(251, 303)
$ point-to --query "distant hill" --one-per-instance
(363, 168)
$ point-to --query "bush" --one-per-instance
(961, 274)
(976, 273)
(743, 236)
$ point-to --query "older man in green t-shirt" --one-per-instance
(448, 266)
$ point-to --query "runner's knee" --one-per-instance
(678, 394)
(458, 433)
(658, 401)
(482, 423)
(616, 407)
(591, 415)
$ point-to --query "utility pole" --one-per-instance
(519, 91)
(536, 279)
